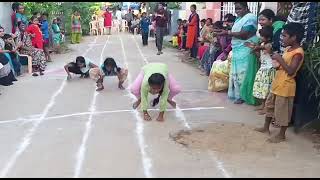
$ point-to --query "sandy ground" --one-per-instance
(50, 127)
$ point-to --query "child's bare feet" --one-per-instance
(262, 130)
(160, 119)
(172, 103)
(276, 139)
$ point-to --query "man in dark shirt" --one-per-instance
(161, 18)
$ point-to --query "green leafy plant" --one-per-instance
(86, 10)
(311, 70)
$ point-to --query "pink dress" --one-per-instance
(174, 87)
(201, 51)
(107, 19)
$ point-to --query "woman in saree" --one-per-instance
(193, 31)
(25, 47)
(243, 64)
(76, 28)
(56, 34)
(20, 16)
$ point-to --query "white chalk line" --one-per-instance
(181, 115)
(219, 165)
(106, 112)
(82, 149)
(146, 161)
(28, 137)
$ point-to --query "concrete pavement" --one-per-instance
(51, 127)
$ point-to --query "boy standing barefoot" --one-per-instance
(279, 103)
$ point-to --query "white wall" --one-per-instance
(5, 16)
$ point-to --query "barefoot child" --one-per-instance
(265, 74)
(109, 68)
(155, 79)
(81, 66)
(280, 102)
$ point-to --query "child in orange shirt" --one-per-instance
(279, 103)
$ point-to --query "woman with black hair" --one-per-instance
(268, 18)
(155, 79)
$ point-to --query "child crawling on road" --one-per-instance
(109, 68)
(80, 67)
(86, 68)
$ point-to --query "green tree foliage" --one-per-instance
(86, 10)
(311, 69)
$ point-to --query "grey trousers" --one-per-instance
(160, 32)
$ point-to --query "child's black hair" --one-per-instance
(203, 20)
(45, 14)
(218, 24)
(157, 79)
(35, 13)
(230, 18)
(266, 32)
(80, 59)
(210, 19)
(109, 61)
(33, 17)
(295, 29)
(6, 36)
(15, 6)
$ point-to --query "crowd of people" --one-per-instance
(256, 67)
(28, 42)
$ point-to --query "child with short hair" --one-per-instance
(82, 66)
(144, 25)
(279, 103)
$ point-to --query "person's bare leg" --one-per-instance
(172, 103)
(136, 104)
(121, 81)
(261, 106)
(100, 86)
(47, 54)
(279, 137)
(265, 128)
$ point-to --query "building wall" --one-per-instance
(5, 16)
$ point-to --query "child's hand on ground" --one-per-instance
(69, 77)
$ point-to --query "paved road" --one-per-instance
(51, 127)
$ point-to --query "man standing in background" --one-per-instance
(161, 18)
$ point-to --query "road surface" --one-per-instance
(51, 127)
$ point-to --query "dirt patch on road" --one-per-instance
(227, 138)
